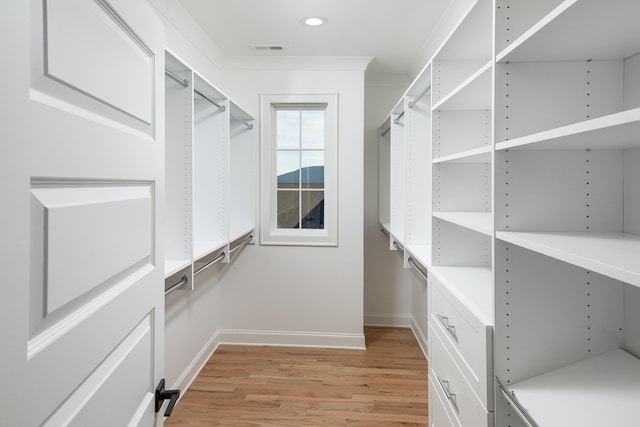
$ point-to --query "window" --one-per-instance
(299, 170)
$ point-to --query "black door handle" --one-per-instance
(162, 395)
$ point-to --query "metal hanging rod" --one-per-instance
(243, 121)
(398, 247)
(221, 107)
(515, 404)
(385, 232)
(397, 119)
(183, 281)
(417, 98)
(174, 76)
(386, 131)
(418, 270)
(185, 83)
(241, 244)
(210, 263)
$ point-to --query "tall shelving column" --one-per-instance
(178, 170)
(461, 280)
(397, 179)
(384, 176)
(567, 284)
(417, 121)
(210, 172)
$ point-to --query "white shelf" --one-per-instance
(421, 253)
(472, 94)
(482, 222)
(611, 254)
(600, 391)
(203, 248)
(243, 232)
(476, 155)
(615, 131)
(600, 30)
(173, 266)
(473, 286)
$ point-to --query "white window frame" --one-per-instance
(270, 234)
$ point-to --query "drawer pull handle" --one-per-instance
(445, 322)
(445, 387)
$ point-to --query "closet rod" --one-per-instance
(183, 281)
(417, 98)
(515, 403)
(399, 248)
(244, 122)
(385, 232)
(397, 119)
(174, 76)
(210, 263)
(221, 107)
(386, 131)
(413, 264)
(241, 244)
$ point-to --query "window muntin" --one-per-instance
(299, 170)
(300, 166)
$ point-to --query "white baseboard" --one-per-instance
(388, 319)
(293, 339)
(421, 337)
(191, 373)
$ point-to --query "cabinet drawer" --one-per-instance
(460, 400)
(466, 338)
(438, 416)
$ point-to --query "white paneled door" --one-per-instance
(81, 157)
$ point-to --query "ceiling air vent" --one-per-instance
(268, 47)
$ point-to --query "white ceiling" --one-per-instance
(392, 31)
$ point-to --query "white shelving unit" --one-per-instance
(384, 176)
(567, 211)
(417, 136)
(242, 174)
(535, 210)
(209, 174)
(462, 212)
(178, 169)
(397, 176)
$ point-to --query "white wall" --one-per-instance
(387, 289)
(304, 295)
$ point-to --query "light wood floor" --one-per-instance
(386, 385)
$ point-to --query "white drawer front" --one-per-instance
(467, 339)
(460, 400)
(438, 416)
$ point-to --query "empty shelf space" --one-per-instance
(481, 222)
(472, 94)
(173, 266)
(615, 131)
(611, 254)
(599, 30)
(476, 155)
(473, 286)
(599, 391)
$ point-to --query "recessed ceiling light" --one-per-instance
(314, 21)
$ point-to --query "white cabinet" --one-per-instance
(210, 179)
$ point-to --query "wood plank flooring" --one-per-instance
(386, 385)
